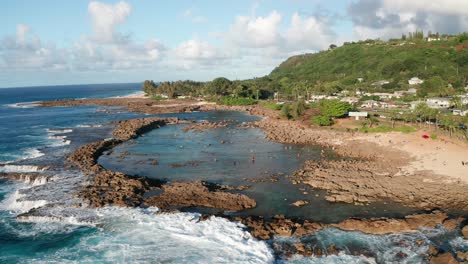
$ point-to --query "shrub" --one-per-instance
(433, 136)
(322, 120)
(285, 111)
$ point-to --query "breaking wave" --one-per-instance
(21, 168)
(23, 104)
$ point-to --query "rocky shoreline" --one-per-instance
(115, 188)
(358, 174)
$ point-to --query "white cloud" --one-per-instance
(106, 18)
(196, 53)
(109, 49)
(449, 7)
(391, 18)
(309, 33)
(25, 52)
(267, 38)
(256, 32)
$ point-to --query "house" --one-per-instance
(460, 112)
(350, 100)
(369, 104)
(438, 102)
(429, 39)
(383, 95)
(380, 83)
(358, 114)
(415, 81)
(412, 91)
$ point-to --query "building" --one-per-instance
(415, 81)
(369, 104)
(438, 102)
(380, 83)
(384, 96)
(350, 100)
(460, 112)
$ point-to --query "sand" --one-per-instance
(440, 156)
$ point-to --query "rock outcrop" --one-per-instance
(199, 194)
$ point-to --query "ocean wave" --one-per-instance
(333, 259)
(89, 125)
(15, 202)
(23, 104)
(22, 168)
(59, 131)
(139, 235)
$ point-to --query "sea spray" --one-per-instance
(22, 168)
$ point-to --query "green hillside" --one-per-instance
(439, 63)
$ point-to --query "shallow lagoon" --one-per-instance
(224, 156)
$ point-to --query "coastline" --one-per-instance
(371, 167)
(291, 132)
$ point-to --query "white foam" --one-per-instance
(59, 140)
(32, 153)
(332, 259)
(54, 219)
(89, 125)
(35, 181)
(21, 168)
(15, 202)
(23, 104)
(59, 131)
(129, 235)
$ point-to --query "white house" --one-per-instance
(415, 81)
(412, 91)
(460, 112)
(384, 95)
(350, 100)
(369, 104)
(438, 102)
(379, 83)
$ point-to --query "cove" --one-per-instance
(225, 156)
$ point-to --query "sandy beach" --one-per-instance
(440, 156)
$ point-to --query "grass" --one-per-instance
(386, 129)
(158, 98)
(227, 100)
(271, 105)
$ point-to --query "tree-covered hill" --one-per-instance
(439, 63)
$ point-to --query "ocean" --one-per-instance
(59, 230)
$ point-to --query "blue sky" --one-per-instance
(53, 42)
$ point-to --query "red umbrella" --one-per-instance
(425, 136)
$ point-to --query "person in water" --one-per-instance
(253, 158)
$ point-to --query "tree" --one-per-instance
(285, 111)
(149, 87)
(332, 46)
(219, 86)
(449, 123)
(321, 120)
(334, 108)
(298, 109)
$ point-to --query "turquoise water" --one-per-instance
(58, 229)
(223, 156)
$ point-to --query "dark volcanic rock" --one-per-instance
(199, 194)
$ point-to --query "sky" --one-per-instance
(56, 42)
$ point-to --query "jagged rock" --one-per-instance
(300, 203)
(445, 258)
(465, 232)
(200, 194)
